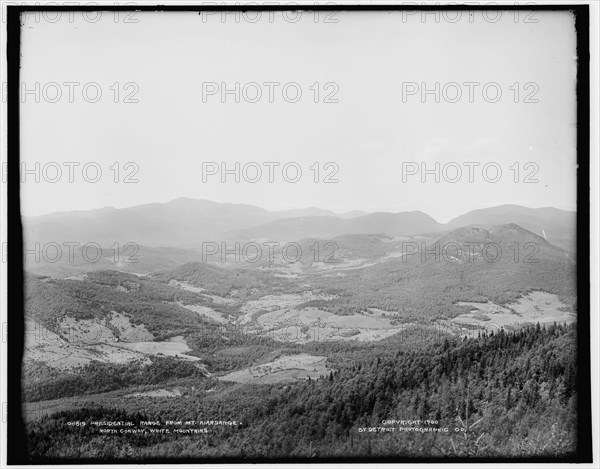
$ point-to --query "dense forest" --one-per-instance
(505, 394)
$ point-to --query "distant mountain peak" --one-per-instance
(186, 222)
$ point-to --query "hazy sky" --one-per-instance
(373, 131)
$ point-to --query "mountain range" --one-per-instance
(186, 223)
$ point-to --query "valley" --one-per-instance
(180, 334)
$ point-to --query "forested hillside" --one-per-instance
(146, 302)
(503, 394)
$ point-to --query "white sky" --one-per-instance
(369, 133)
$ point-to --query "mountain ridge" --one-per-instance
(186, 222)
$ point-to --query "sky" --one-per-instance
(162, 128)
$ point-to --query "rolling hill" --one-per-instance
(557, 226)
(290, 229)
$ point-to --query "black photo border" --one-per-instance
(16, 442)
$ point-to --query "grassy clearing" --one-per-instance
(288, 368)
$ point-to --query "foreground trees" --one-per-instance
(503, 394)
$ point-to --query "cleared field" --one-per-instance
(346, 264)
(50, 348)
(288, 368)
(219, 299)
(57, 351)
(329, 332)
(542, 307)
(275, 316)
(73, 356)
(157, 393)
(80, 278)
(205, 311)
(174, 347)
(84, 331)
(267, 303)
(311, 324)
(284, 269)
(92, 331)
(129, 332)
(188, 287)
(382, 313)
(185, 286)
(311, 316)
